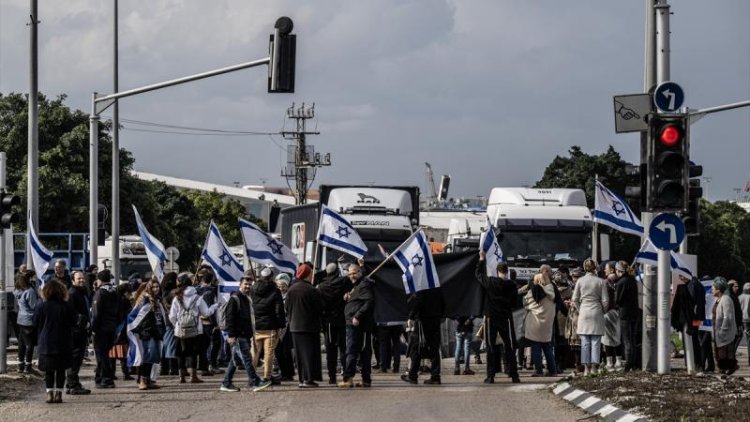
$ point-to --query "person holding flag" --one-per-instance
(225, 265)
(491, 248)
(157, 255)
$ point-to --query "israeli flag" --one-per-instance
(262, 248)
(648, 255)
(415, 259)
(613, 211)
(336, 233)
(135, 346)
(493, 255)
(40, 256)
(157, 256)
(228, 269)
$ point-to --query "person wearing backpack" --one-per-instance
(210, 340)
(269, 319)
(187, 307)
(235, 319)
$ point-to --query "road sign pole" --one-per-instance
(663, 337)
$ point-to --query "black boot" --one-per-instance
(435, 379)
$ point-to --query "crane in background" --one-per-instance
(431, 179)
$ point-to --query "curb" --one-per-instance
(593, 405)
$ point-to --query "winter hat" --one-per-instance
(266, 273)
(331, 268)
(620, 267)
(720, 283)
(302, 272)
(283, 278)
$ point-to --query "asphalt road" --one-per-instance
(389, 399)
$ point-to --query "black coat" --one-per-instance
(500, 295)
(698, 296)
(106, 310)
(332, 289)
(239, 322)
(361, 304)
(304, 307)
(54, 321)
(78, 299)
(268, 305)
(626, 298)
(426, 304)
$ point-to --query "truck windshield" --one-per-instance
(532, 249)
(130, 266)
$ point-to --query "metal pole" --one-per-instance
(33, 130)
(93, 182)
(115, 164)
(664, 329)
(3, 294)
(648, 294)
(687, 341)
(662, 41)
(301, 167)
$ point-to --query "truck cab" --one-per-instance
(133, 256)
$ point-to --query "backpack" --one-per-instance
(221, 313)
(186, 325)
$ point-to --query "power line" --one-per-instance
(192, 128)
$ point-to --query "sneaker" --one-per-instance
(229, 388)
(468, 371)
(262, 385)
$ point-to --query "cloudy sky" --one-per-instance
(488, 91)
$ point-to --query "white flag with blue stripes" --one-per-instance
(40, 256)
(157, 255)
(648, 255)
(613, 211)
(336, 233)
(415, 259)
(264, 249)
(217, 254)
(493, 255)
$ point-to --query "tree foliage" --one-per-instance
(177, 218)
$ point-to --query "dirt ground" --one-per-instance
(14, 387)
(674, 397)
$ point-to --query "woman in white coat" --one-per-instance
(725, 327)
(538, 327)
(590, 297)
(187, 300)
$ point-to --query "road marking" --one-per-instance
(574, 395)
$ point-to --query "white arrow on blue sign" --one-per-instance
(669, 96)
(666, 231)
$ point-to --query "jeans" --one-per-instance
(549, 355)
(241, 350)
(358, 348)
(591, 348)
(25, 344)
(628, 329)
(463, 345)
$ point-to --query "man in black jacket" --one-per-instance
(303, 308)
(359, 310)
(426, 308)
(332, 288)
(107, 315)
(500, 296)
(239, 332)
(626, 298)
(78, 297)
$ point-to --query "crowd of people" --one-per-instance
(586, 319)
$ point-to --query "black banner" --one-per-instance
(462, 293)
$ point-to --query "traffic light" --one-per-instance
(635, 189)
(282, 51)
(7, 216)
(691, 218)
(668, 163)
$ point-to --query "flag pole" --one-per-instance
(595, 237)
(315, 261)
(392, 253)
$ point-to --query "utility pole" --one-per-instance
(305, 156)
(32, 190)
(115, 162)
(648, 294)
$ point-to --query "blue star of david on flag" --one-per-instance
(420, 272)
(336, 233)
(262, 248)
(416, 260)
(613, 211)
(227, 268)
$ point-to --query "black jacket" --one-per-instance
(500, 295)
(361, 304)
(268, 305)
(304, 307)
(426, 304)
(332, 289)
(698, 296)
(626, 298)
(54, 321)
(78, 297)
(239, 323)
(106, 310)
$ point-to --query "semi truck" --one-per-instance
(542, 226)
(458, 230)
(382, 215)
(133, 256)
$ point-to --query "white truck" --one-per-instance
(456, 229)
(542, 226)
(133, 256)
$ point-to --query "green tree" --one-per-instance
(722, 246)
(578, 171)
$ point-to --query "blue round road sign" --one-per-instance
(666, 231)
(668, 96)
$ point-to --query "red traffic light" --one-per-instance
(670, 135)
